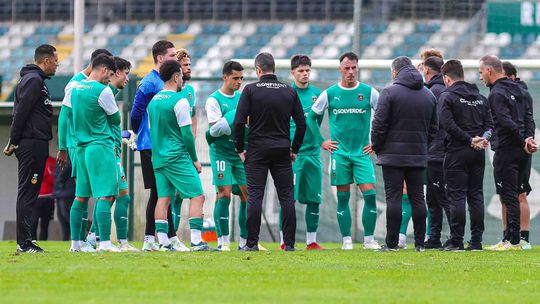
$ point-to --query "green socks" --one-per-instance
(176, 206)
(406, 212)
(242, 219)
(369, 212)
(344, 213)
(75, 219)
(224, 215)
(428, 224)
(162, 228)
(312, 217)
(121, 216)
(217, 215)
(103, 213)
(94, 226)
(84, 223)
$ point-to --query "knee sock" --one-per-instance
(84, 223)
(369, 213)
(224, 216)
(121, 217)
(428, 223)
(176, 206)
(242, 218)
(217, 215)
(524, 234)
(94, 227)
(104, 220)
(344, 213)
(312, 222)
(195, 227)
(162, 229)
(406, 213)
(75, 219)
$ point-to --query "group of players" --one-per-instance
(164, 123)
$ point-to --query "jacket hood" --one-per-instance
(464, 89)
(509, 85)
(437, 79)
(32, 68)
(409, 77)
(522, 84)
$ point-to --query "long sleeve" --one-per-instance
(448, 123)
(434, 123)
(488, 118)
(530, 126)
(142, 99)
(63, 127)
(300, 121)
(501, 112)
(27, 97)
(240, 119)
(380, 122)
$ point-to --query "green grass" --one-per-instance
(330, 276)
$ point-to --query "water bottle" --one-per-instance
(487, 135)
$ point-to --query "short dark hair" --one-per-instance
(121, 63)
(350, 55)
(401, 62)
(509, 69)
(160, 48)
(453, 69)
(44, 51)
(231, 66)
(492, 61)
(298, 60)
(168, 69)
(99, 52)
(104, 61)
(265, 61)
(434, 63)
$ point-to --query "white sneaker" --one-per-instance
(225, 247)
(127, 247)
(110, 248)
(91, 239)
(147, 246)
(179, 246)
(347, 245)
(372, 245)
(496, 246)
(87, 247)
(71, 249)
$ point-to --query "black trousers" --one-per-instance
(42, 214)
(393, 186)
(149, 180)
(32, 155)
(257, 164)
(464, 178)
(63, 207)
(509, 164)
(436, 199)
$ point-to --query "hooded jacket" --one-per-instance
(465, 114)
(436, 148)
(405, 121)
(32, 111)
(511, 107)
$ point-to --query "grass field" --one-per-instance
(330, 276)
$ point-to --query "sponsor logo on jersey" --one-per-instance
(360, 97)
(271, 85)
(337, 98)
(472, 103)
(34, 179)
(348, 111)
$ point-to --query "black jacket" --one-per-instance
(269, 104)
(511, 107)
(465, 114)
(64, 184)
(436, 148)
(32, 111)
(405, 121)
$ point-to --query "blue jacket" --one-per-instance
(150, 85)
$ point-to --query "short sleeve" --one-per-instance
(107, 102)
(182, 111)
(374, 98)
(321, 104)
(213, 110)
(67, 93)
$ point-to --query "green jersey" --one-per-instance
(167, 113)
(349, 112)
(66, 128)
(188, 92)
(307, 96)
(217, 106)
(116, 129)
(94, 110)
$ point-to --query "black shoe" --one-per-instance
(29, 247)
(474, 247)
(289, 248)
(246, 248)
(452, 247)
(433, 244)
(419, 248)
(387, 249)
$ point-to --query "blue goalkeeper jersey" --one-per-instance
(150, 85)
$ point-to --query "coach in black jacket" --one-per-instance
(465, 117)
(405, 123)
(269, 105)
(31, 131)
(514, 132)
(436, 195)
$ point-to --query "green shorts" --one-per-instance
(345, 170)
(307, 170)
(227, 171)
(180, 176)
(121, 174)
(96, 172)
(72, 152)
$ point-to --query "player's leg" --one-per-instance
(221, 216)
(525, 212)
(149, 180)
(176, 207)
(406, 213)
(121, 209)
(364, 176)
(434, 195)
(393, 188)
(415, 183)
(341, 176)
(309, 193)
(166, 191)
(475, 200)
(80, 204)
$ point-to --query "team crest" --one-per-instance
(190, 96)
(34, 179)
(360, 97)
(123, 178)
(314, 99)
(220, 176)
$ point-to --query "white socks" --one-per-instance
(105, 245)
(281, 237)
(163, 239)
(242, 243)
(311, 237)
(369, 238)
(347, 239)
(76, 245)
(196, 237)
(149, 238)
